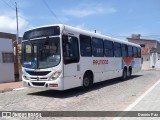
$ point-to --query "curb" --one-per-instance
(12, 89)
(6, 90)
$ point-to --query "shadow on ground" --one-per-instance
(75, 92)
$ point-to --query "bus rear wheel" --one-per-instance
(129, 72)
(124, 75)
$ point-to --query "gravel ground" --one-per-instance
(111, 95)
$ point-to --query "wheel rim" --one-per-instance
(86, 81)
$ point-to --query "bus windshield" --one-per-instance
(41, 53)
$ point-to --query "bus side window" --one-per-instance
(108, 48)
(117, 49)
(97, 47)
(85, 46)
(70, 49)
(135, 52)
(139, 52)
(130, 51)
(124, 50)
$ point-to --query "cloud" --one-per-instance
(81, 26)
(9, 24)
(89, 10)
(84, 27)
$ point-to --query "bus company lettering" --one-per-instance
(98, 62)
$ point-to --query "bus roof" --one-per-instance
(88, 33)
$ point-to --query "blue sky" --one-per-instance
(109, 17)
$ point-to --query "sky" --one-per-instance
(115, 18)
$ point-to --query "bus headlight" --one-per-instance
(55, 75)
(25, 77)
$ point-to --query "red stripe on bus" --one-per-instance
(128, 60)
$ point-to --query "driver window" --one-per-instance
(70, 49)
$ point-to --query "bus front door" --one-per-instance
(71, 61)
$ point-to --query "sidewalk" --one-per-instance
(5, 87)
(147, 105)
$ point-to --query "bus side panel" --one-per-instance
(87, 63)
(98, 68)
(113, 69)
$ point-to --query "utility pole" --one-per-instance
(17, 36)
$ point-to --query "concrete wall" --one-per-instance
(146, 65)
(146, 62)
(155, 60)
(6, 69)
(13, 37)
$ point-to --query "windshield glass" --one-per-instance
(41, 53)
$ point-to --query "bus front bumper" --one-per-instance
(55, 85)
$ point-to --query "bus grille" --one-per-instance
(38, 83)
(38, 73)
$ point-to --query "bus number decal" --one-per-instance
(98, 62)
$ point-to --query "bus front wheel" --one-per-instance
(87, 82)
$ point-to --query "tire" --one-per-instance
(87, 82)
(129, 73)
(124, 75)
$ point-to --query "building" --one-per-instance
(8, 62)
(150, 51)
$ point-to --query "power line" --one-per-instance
(12, 2)
(9, 5)
(45, 3)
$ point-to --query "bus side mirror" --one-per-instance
(14, 51)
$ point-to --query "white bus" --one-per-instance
(61, 57)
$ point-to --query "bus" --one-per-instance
(62, 57)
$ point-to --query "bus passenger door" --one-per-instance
(71, 61)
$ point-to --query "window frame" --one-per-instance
(7, 60)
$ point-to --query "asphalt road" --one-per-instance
(111, 95)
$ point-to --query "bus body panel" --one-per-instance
(72, 77)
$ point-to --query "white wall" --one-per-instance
(146, 62)
(155, 60)
(6, 69)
